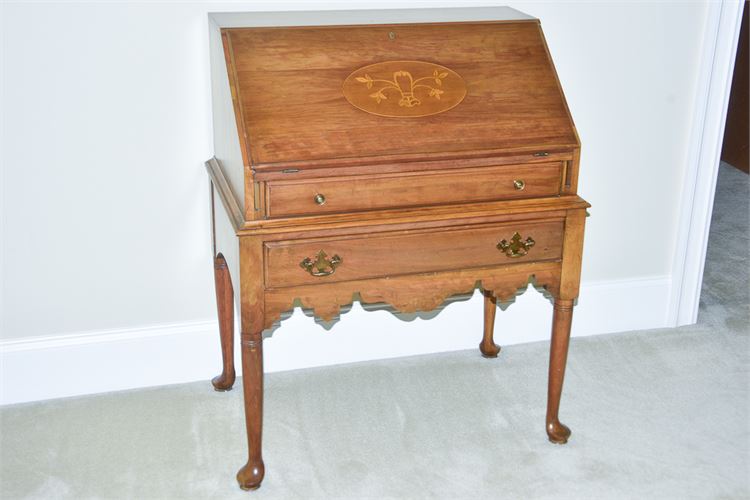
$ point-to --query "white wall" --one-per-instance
(106, 125)
(106, 130)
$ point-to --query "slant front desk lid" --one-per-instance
(335, 95)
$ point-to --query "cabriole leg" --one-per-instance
(251, 475)
(488, 347)
(225, 306)
(561, 321)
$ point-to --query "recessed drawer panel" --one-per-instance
(290, 263)
(371, 192)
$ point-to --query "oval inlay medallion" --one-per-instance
(404, 89)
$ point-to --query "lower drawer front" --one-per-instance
(365, 192)
(304, 262)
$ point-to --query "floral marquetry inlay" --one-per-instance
(404, 89)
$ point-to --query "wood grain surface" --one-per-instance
(417, 292)
(409, 252)
(370, 192)
(289, 90)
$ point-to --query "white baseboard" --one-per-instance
(50, 367)
(108, 360)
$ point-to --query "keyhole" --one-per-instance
(391, 35)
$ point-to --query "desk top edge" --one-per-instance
(365, 17)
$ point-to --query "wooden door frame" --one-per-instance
(712, 98)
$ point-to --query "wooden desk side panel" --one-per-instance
(570, 278)
(226, 241)
(252, 287)
(227, 146)
(570, 179)
(559, 85)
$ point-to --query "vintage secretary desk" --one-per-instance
(405, 156)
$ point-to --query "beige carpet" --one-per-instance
(655, 415)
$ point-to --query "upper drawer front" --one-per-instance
(315, 261)
(369, 192)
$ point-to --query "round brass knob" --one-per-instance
(519, 184)
(319, 199)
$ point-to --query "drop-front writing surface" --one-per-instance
(289, 82)
(399, 163)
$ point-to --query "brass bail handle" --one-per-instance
(321, 266)
(516, 247)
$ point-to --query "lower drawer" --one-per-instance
(323, 260)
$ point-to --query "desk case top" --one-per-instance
(321, 97)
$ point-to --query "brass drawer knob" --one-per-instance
(321, 266)
(519, 184)
(319, 199)
(516, 247)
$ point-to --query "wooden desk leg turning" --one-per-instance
(252, 320)
(561, 321)
(225, 305)
(570, 279)
(488, 347)
(251, 475)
